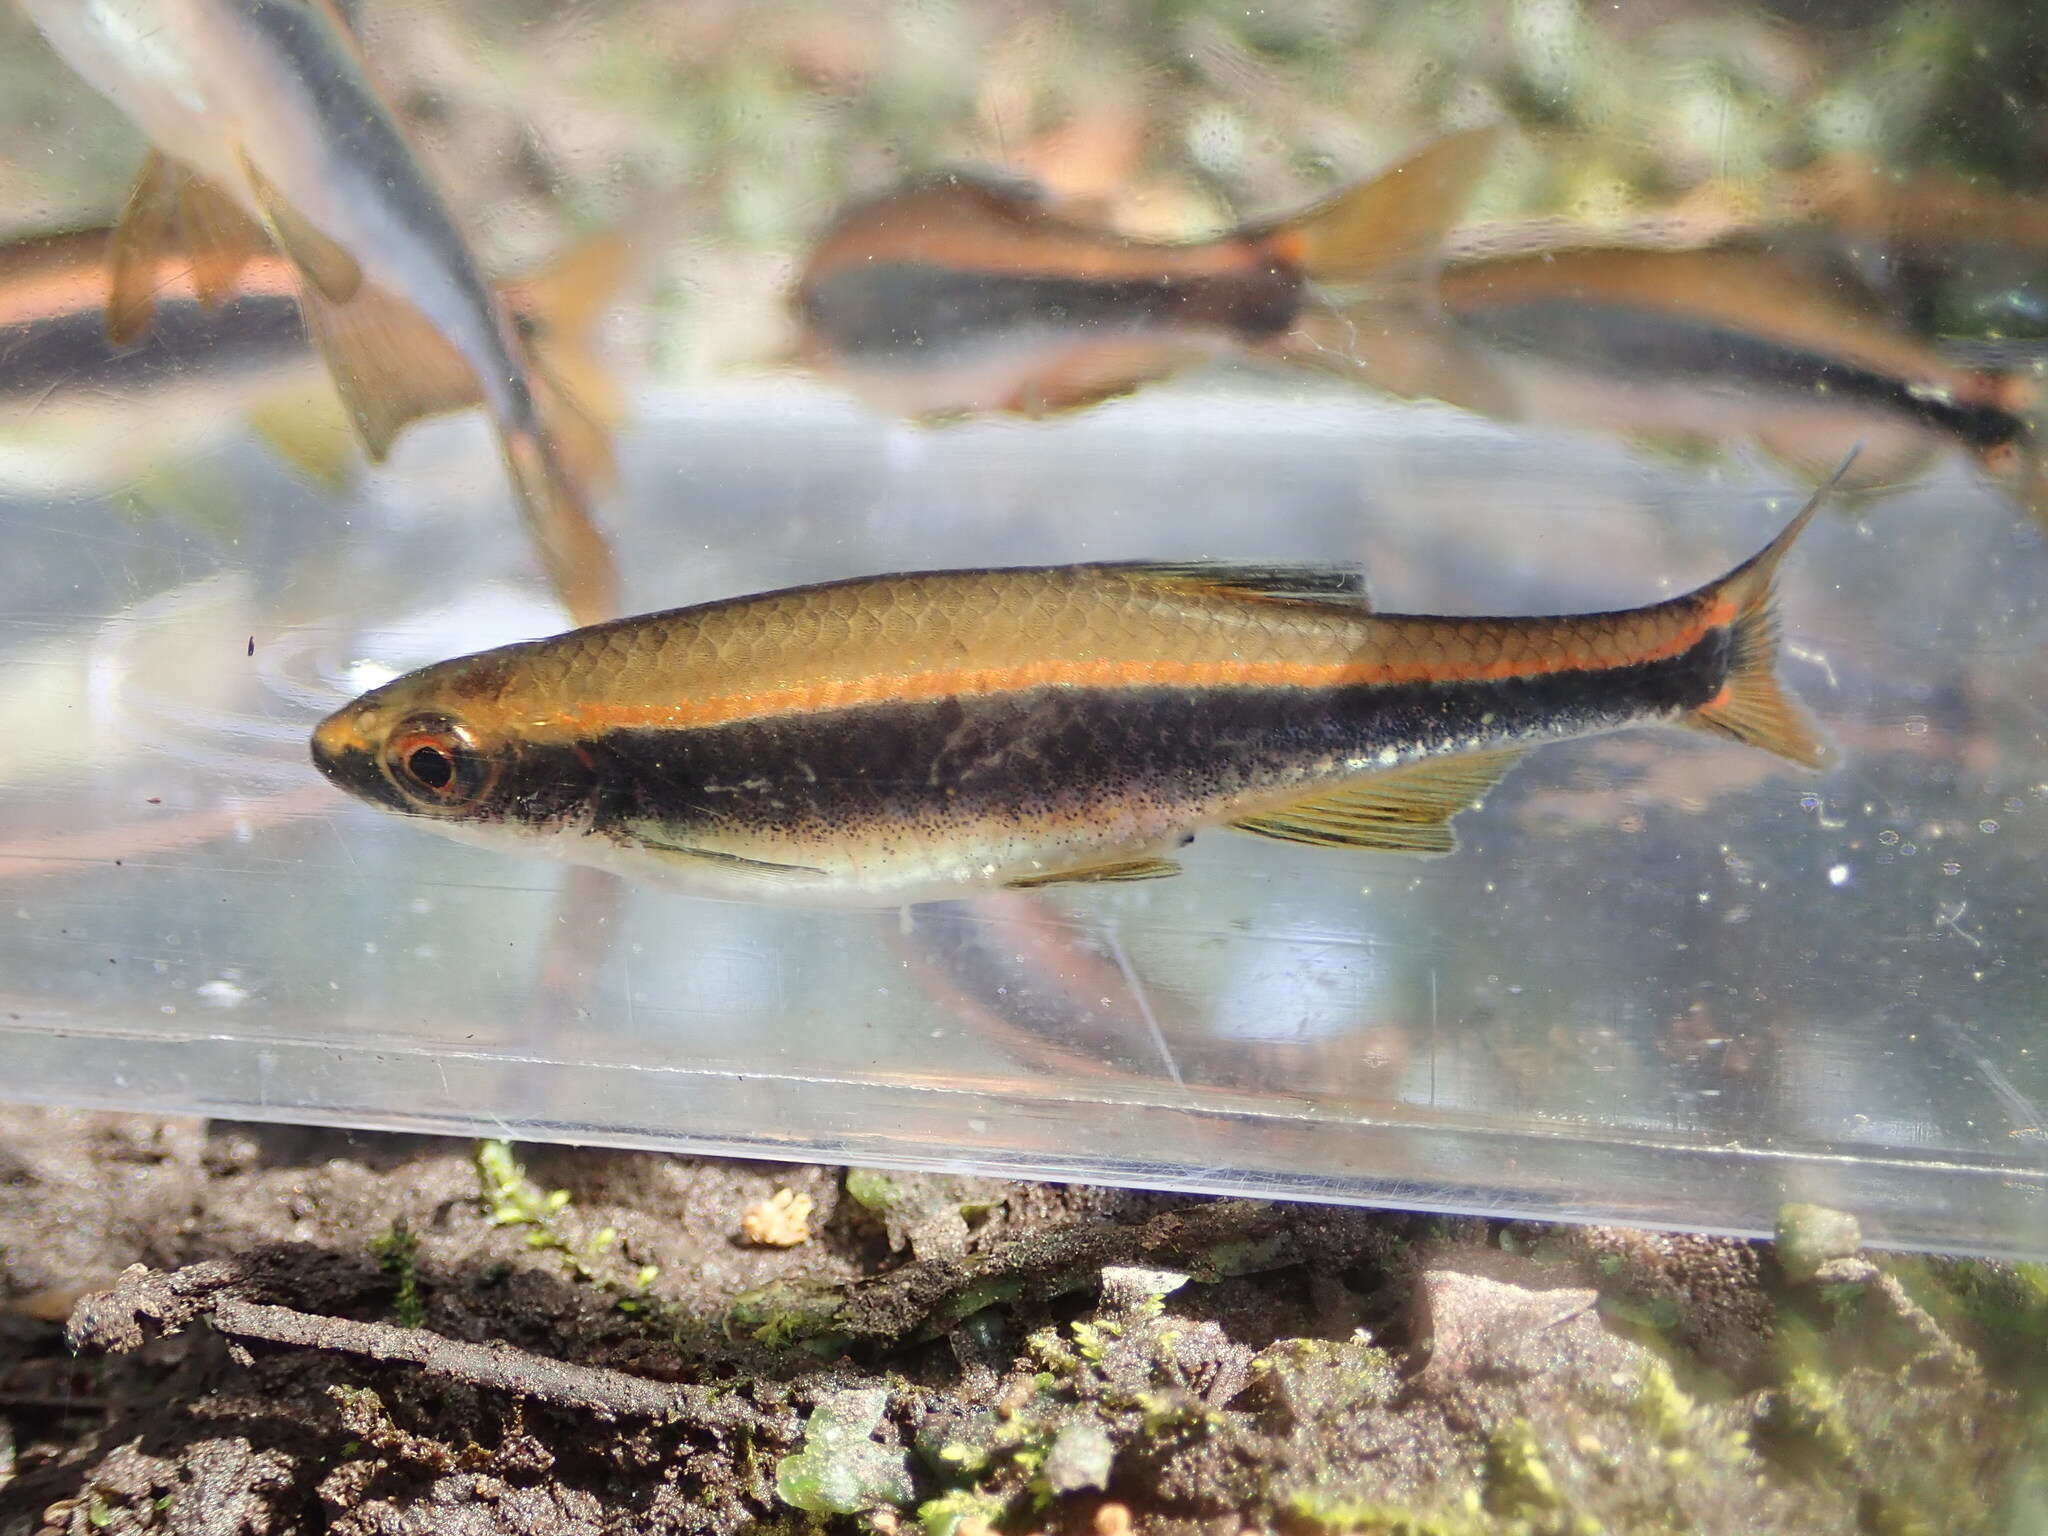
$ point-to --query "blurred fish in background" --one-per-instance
(268, 130)
(967, 294)
(1956, 256)
(82, 412)
(1694, 349)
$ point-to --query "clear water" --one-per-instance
(1665, 980)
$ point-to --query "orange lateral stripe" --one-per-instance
(83, 289)
(1045, 248)
(912, 687)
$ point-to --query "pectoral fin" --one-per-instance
(327, 266)
(1124, 869)
(1405, 810)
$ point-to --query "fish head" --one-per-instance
(439, 744)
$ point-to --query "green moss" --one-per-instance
(398, 1254)
(785, 1312)
(872, 1191)
(1309, 1379)
(945, 1514)
(1092, 1340)
(1053, 1352)
(975, 1298)
(1518, 1480)
(1679, 1425)
(510, 1199)
(841, 1469)
(1365, 1517)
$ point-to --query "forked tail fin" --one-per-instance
(1394, 225)
(556, 309)
(1752, 706)
(392, 368)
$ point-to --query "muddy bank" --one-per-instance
(387, 1334)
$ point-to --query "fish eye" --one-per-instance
(436, 764)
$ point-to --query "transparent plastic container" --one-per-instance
(1666, 980)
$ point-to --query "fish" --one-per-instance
(267, 126)
(1699, 348)
(891, 740)
(967, 293)
(92, 412)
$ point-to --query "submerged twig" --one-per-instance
(112, 1321)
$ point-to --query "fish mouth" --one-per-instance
(346, 760)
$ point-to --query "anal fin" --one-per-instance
(218, 238)
(1404, 810)
(1122, 869)
(390, 365)
(325, 264)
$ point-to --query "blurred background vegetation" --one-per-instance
(730, 130)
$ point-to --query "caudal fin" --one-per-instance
(1752, 706)
(1393, 225)
(556, 310)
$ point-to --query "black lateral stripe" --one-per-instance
(1062, 751)
(71, 351)
(887, 307)
(1634, 341)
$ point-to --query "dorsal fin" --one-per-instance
(1327, 583)
(1405, 810)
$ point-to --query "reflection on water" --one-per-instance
(1665, 979)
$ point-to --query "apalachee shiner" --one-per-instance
(905, 738)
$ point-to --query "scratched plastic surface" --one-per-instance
(1664, 980)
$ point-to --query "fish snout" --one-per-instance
(342, 751)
